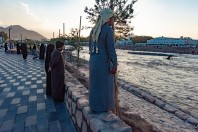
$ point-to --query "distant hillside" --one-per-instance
(17, 30)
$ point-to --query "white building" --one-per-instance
(178, 42)
(124, 42)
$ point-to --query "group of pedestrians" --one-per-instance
(22, 49)
(102, 65)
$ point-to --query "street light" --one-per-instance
(9, 32)
(9, 37)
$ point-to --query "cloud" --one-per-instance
(30, 13)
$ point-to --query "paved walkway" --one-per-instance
(23, 103)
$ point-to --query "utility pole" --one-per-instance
(79, 39)
(59, 33)
(9, 38)
(63, 29)
(21, 38)
(53, 35)
(9, 32)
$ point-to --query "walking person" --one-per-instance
(102, 64)
(30, 47)
(18, 48)
(42, 52)
(24, 51)
(57, 69)
(50, 49)
(34, 52)
(6, 47)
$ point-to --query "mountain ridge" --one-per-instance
(17, 30)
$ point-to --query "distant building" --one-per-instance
(176, 42)
(124, 42)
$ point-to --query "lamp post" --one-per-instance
(21, 38)
(9, 32)
(9, 37)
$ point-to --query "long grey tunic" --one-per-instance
(101, 86)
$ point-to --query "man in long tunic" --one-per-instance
(102, 64)
(57, 73)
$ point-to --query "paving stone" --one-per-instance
(18, 127)
(11, 94)
(30, 128)
(40, 106)
(32, 98)
(10, 115)
(20, 88)
(31, 111)
(39, 91)
(31, 120)
(1, 101)
(7, 125)
(16, 101)
(42, 123)
(42, 114)
(52, 116)
(22, 109)
(26, 92)
(3, 112)
(5, 89)
(55, 126)
(20, 118)
(32, 104)
(51, 108)
(33, 86)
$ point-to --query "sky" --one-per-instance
(168, 18)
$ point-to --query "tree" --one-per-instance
(141, 39)
(4, 35)
(123, 12)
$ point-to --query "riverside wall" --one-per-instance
(165, 49)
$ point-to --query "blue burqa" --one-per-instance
(102, 58)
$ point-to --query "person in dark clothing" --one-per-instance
(6, 47)
(18, 48)
(30, 47)
(50, 49)
(24, 51)
(57, 69)
(42, 51)
(34, 52)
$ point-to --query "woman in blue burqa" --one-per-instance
(102, 64)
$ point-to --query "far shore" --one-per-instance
(165, 49)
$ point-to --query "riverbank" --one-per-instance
(138, 110)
